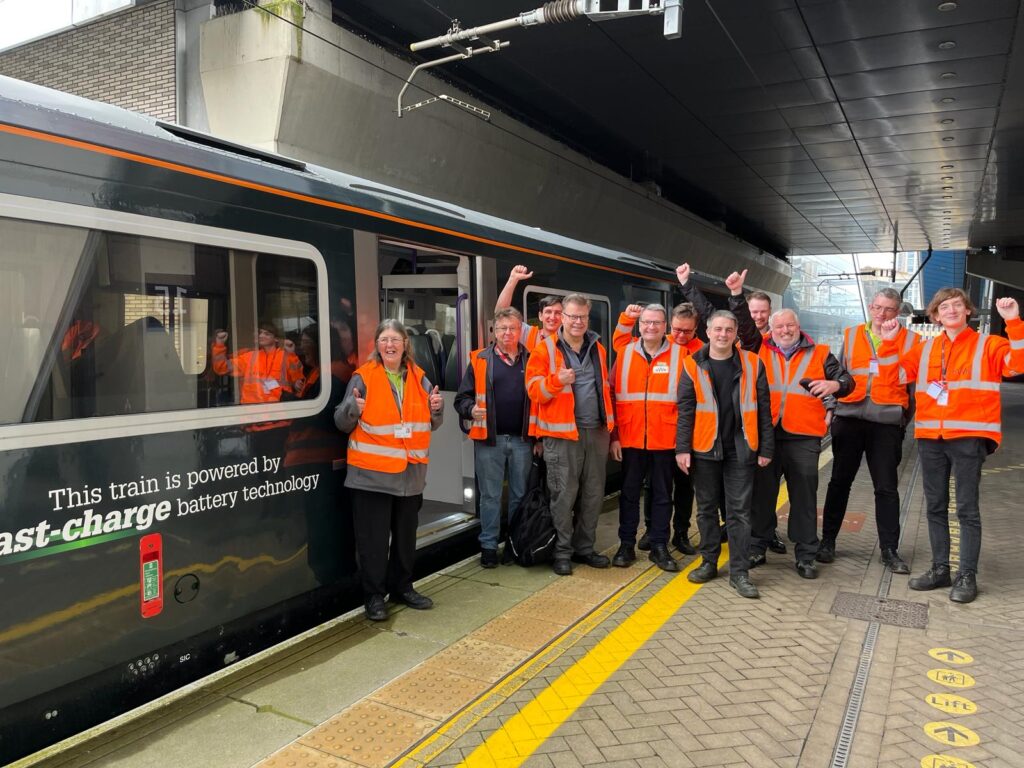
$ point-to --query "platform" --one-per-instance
(635, 667)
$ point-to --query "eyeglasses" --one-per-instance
(884, 310)
(387, 341)
(501, 330)
(650, 323)
(684, 331)
(575, 318)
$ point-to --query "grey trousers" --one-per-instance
(576, 466)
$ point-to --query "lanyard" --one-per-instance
(942, 356)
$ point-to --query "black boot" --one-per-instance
(935, 577)
(892, 560)
(706, 571)
(661, 558)
(625, 556)
(965, 588)
(826, 551)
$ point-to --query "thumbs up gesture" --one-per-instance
(360, 400)
(734, 282)
(566, 375)
(436, 401)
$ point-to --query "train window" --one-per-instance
(103, 323)
(600, 310)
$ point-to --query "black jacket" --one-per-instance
(465, 398)
(687, 402)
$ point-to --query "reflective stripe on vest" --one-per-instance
(645, 396)
(784, 386)
(705, 427)
(857, 342)
(927, 405)
(373, 444)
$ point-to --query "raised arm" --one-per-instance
(693, 294)
(516, 276)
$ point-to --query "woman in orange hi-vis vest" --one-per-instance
(390, 409)
(957, 423)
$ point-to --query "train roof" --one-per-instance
(61, 114)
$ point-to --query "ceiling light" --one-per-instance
(948, 138)
(947, 45)
(947, 211)
(948, 75)
(947, 121)
(947, 197)
(947, 6)
(946, 100)
(946, 167)
(947, 178)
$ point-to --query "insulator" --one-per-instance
(557, 11)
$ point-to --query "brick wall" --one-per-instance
(126, 59)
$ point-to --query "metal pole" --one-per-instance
(895, 243)
(927, 258)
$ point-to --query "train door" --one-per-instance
(428, 290)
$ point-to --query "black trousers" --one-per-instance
(882, 444)
(728, 483)
(797, 460)
(682, 500)
(657, 467)
(385, 528)
(960, 459)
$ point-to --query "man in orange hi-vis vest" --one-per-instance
(567, 380)
(957, 423)
(644, 383)
(870, 423)
(724, 431)
(267, 372)
(549, 311)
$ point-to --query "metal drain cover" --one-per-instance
(899, 613)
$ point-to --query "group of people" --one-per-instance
(721, 423)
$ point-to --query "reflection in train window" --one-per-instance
(99, 323)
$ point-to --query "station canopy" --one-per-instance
(802, 126)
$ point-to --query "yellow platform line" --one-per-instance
(522, 734)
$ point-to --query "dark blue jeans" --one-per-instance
(962, 459)
(656, 466)
(491, 460)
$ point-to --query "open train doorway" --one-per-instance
(428, 290)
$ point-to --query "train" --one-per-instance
(155, 526)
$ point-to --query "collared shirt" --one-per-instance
(584, 389)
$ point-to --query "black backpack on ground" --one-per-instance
(531, 534)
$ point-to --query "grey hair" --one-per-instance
(785, 310)
(508, 312)
(391, 324)
(724, 313)
(576, 298)
(889, 293)
(656, 308)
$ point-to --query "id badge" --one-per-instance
(660, 368)
(943, 398)
(269, 385)
(403, 430)
(873, 366)
(938, 392)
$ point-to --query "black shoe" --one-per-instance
(661, 558)
(682, 543)
(891, 559)
(488, 558)
(757, 558)
(935, 577)
(644, 545)
(375, 608)
(776, 545)
(415, 600)
(807, 569)
(593, 559)
(826, 551)
(562, 567)
(965, 588)
(625, 556)
(704, 572)
(743, 586)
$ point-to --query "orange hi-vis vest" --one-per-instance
(555, 412)
(533, 337)
(799, 412)
(705, 422)
(887, 383)
(972, 365)
(386, 440)
(623, 335)
(265, 375)
(645, 396)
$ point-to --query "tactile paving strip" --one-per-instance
(369, 734)
(520, 631)
(898, 613)
(430, 691)
(557, 609)
(479, 659)
(299, 756)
